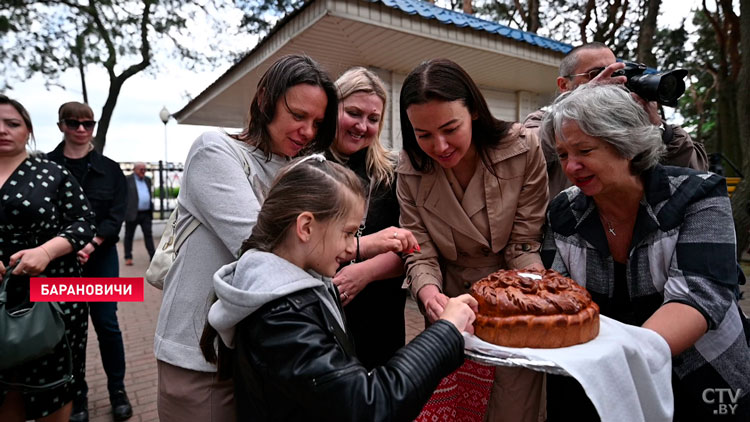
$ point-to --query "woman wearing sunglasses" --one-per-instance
(104, 185)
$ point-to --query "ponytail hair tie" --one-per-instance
(317, 157)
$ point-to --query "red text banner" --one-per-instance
(87, 289)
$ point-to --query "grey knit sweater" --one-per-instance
(216, 191)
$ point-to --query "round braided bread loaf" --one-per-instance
(539, 309)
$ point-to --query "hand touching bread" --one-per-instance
(460, 311)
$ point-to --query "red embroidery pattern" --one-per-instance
(462, 396)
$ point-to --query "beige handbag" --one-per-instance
(166, 253)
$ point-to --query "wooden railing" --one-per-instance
(732, 183)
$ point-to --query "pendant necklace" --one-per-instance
(610, 228)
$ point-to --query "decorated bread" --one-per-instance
(539, 309)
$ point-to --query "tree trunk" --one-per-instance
(529, 14)
(587, 11)
(532, 24)
(116, 81)
(115, 85)
(468, 9)
(646, 35)
(740, 197)
(80, 45)
(83, 82)
(727, 127)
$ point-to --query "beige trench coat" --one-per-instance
(454, 254)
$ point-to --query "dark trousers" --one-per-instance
(104, 263)
(565, 398)
(143, 219)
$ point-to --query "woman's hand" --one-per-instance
(33, 261)
(461, 312)
(538, 266)
(433, 301)
(350, 281)
(391, 239)
(85, 252)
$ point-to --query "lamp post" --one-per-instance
(164, 115)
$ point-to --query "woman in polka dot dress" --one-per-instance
(44, 218)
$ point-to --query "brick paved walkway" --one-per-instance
(138, 323)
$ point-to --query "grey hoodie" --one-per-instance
(244, 286)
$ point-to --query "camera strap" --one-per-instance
(668, 134)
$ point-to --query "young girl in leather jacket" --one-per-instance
(279, 315)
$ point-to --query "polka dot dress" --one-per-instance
(39, 201)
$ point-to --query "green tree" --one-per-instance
(616, 23)
(261, 15)
(716, 102)
(740, 200)
(519, 14)
(714, 63)
(697, 106)
(725, 66)
(50, 37)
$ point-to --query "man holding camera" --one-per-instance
(595, 62)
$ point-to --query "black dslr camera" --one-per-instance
(663, 87)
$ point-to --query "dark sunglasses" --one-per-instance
(73, 124)
(591, 74)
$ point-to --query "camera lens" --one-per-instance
(671, 87)
(667, 87)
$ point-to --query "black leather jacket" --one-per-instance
(104, 186)
(292, 362)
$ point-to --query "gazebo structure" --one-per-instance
(516, 70)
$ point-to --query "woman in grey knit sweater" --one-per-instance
(225, 182)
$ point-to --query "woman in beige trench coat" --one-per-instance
(473, 190)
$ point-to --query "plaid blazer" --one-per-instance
(683, 250)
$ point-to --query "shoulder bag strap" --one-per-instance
(4, 283)
(180, 239)
(238, 152)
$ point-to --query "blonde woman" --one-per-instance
(371, 284)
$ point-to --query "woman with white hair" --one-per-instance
(653, 244)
